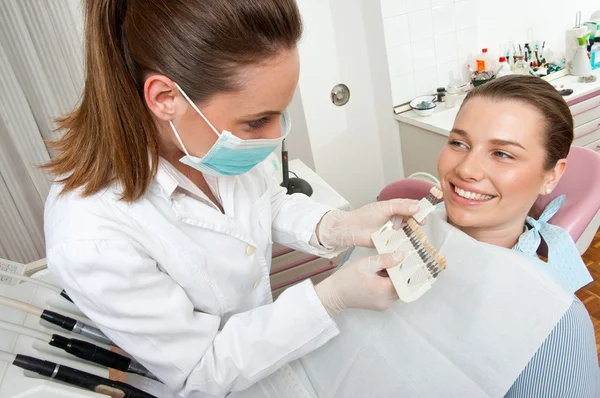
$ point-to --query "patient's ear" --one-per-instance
(553, 177)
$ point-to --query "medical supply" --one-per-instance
(5, 277)
(64, 294)
(294, 184)
(592, 28)
(441, 94)
(428, 203)
(452, 96)
(230, 155)
(504, 68)
(74, 377)
(595, 54)
(57, 319)
(521, 67)
(485, 61)
(421, 266)
(82, 349)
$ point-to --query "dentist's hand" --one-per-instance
(339, 229)
(358, 284)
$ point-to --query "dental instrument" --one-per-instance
(57, 319)
(27, 279)
(83, 349)
(74, 377)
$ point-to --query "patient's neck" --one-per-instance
(502, 235)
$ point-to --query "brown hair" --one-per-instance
(201, 45)
(538, 93)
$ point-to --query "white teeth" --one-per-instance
(471, 195)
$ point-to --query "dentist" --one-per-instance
(161, 221)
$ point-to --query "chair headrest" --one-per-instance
(581, 185)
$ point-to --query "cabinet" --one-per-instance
(290, 267)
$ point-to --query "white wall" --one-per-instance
(297, 142)
(429, 41)
(356, 147)
(549, 23)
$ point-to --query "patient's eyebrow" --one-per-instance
(494, 141)
(500, 142)
(460, 132)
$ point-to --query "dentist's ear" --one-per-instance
(553, 176)
(160, 94)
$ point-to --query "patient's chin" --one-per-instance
(464, 218)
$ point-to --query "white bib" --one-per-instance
(470, 335)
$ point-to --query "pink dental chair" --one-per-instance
(579, 215)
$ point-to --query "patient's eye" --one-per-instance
(458, 144)
(503, 155)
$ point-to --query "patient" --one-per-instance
(508, 146)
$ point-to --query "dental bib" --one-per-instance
(471, 335)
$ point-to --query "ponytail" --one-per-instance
(111, 136)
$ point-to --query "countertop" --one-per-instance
(442, 120)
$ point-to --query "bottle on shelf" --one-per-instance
(595, 54)
(503, 68)
(521, 67)
(485, 61)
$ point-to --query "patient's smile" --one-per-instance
(471, 195)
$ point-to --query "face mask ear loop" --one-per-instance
(197, 110)
(178, 138)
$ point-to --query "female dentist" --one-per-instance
(161, 221)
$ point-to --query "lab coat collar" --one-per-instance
(169, 179)
(166, 178)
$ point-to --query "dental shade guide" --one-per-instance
(422, 264)
(428, 203)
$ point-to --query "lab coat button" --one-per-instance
(256, 284)
(249, 250)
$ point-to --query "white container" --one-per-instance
(521, 67)
(486, 61)
(423, 106)
(581, 63)
(503, 68)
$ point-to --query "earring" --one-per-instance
(548, 191)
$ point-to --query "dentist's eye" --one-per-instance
(258, 124)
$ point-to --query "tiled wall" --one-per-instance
(428, 43)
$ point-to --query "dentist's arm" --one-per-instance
(148, 315)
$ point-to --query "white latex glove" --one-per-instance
(358, 284)
(340, 229)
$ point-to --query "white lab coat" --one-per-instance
(185, 288)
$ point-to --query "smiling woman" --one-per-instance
(507, 147)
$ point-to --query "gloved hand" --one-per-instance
(339, 229)
(358, 285)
